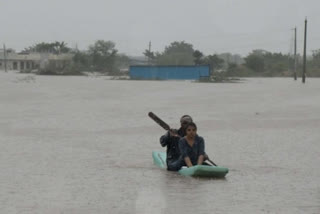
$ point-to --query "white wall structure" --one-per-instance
(31, 61)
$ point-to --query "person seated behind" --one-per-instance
(192, 146)
(171, 140)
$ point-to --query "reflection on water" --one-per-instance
(83, 145)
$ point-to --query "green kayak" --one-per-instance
(159, 159)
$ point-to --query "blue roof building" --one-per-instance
(174, 72)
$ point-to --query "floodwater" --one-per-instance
(83, 145)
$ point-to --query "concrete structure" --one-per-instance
(31, 61)
(192, 72)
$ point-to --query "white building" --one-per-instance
(31, 61)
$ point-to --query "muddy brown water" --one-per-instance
(83, 145)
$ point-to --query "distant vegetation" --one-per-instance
(100, 57)
(54, 48)
(259, 63)
(103, 57)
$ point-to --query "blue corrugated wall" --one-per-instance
(193, 72)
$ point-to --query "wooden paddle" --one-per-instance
(159, 121)
(207, 158)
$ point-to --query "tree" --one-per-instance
(103, 54)
(43, 47)
(81, 60)
(61, 47)
(122, 62)
(276, 63)
(269, 64)
(198, 57)
(316, 58)
(177, 53)
(232, 69)
(150, 55)
(255, 62)
(214, 61)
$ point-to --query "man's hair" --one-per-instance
(186, 117)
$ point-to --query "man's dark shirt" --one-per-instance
(172, 144)
(193, 152)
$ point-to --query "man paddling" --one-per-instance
(171, 140)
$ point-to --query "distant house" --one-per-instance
(191, 72)
(30, 61)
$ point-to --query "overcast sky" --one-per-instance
(212, 26)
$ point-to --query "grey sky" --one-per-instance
(212, 26)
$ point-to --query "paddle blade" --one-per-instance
(159, 121)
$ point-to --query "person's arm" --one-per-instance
(188, 161)
(164, 139)
(201, 151)
(200, 159)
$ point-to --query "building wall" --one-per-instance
(23, 62)
(20, 65)
(193, 72)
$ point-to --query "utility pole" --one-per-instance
(5, 57)
(149, 52)
(304, 52)
(295, 54)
